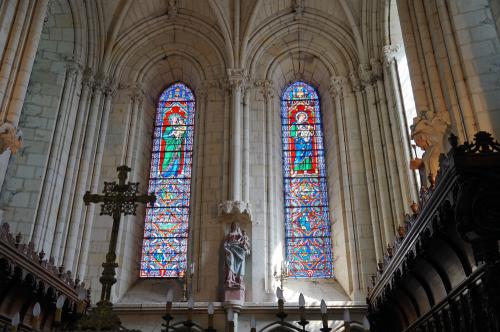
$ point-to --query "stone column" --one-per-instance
(131, 226)
(235, 79)
(50, 196)
(391, 171)
(23, 28)
(377, 154)
(130, 147)
(354, 198)
(68, 193)
(369, 164)
(246, 144)
(198, 226)
(266, 88)
(63, 141)
(235, 209)
(21, 24)
(78, 211)
(399, 130)
(108, 91)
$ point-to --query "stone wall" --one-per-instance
(21, 190)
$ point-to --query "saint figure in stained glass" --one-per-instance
(173, 136)
(307, 223)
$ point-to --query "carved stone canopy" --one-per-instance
(234, 211)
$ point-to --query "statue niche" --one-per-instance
(236, 248)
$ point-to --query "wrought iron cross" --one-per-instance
(116, 199)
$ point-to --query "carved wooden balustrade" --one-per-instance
(27, 278)
(443, 272)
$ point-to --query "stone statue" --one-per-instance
(236, 248)
(10, 138)
(428, 131)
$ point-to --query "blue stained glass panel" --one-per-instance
(166, 229)
(307, 221)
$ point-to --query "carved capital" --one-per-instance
(137, 92)
(10, 138)
(266, 88)
(73, 67)
(339, 85)
(88, 78)
(236, 77)
(110, 88)
(391, 53)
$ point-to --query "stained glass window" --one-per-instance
(307, 222)
(164, 249)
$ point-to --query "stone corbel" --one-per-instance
(234, 211)
(10, 138)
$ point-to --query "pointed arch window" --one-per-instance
(307, 221)
(164, 250)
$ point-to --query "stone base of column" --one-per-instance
(234, 294)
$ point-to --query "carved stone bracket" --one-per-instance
(10, 138)
(234, 211)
